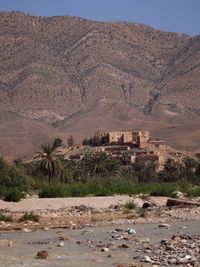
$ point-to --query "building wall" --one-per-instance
(127, 137)
(138, 137)
(114, 137)
(144, 136)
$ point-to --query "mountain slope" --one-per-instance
(66, 70)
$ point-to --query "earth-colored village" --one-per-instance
(127, 147)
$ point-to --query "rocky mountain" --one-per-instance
(63, 75)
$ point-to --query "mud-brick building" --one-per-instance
(118, 137)
(138, 138)
(141, 138)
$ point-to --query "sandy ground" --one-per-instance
(54, 204)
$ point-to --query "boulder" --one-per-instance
(177, 194)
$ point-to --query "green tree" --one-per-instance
(57, 143)
(73, 171)
(70, 141)
(96, 140)
(146, 171)
(14, 182)
(190, 167)
(48, 160)
(103, 164)
(86, 142)
(172, 171)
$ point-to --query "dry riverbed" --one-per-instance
(100, 232)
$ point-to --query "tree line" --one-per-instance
(49, 172)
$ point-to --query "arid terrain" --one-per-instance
(67, 75)
(98, 231)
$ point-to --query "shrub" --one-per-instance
(193, 192)
(29, 217)
(130, 205)
(6, 218)
(14, 195)
(52, 191)
(142, 212)
(13, 181)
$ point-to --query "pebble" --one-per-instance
(181, 249)
(43, 254)
(147, 259)
(26, 230)
(164, 225)
(131, 231)
(105, 249)
(144, 240)
(61, 244)
(124, 246)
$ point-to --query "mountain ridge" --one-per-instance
(53, 68)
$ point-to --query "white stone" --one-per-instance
(147, 259)
(105, 249)
(61, 244)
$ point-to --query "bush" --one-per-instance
(193, 192)
(130, 205)
(6, 218)
(107, 186)
(29, 217)
(14, 182)
(52, 191)
(14, 195)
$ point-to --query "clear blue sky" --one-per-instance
(172, 15)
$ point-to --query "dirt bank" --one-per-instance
(54, 204)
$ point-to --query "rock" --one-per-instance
(124, 246)
(147, 259)
(185, 259)
(131, 231)
(105, 249)
(172, 261)
(6, 243)
(117, 237)
(183, 227)
(61, 244)
(177, 194)
(26, 230)
(145, 246)
(143, 240)
(119, 230)
(43, 254)
(147, 205)
(164, 225)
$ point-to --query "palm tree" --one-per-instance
(72, 172)
(102, 163)
(48, 160)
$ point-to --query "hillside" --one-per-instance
(63, 75)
